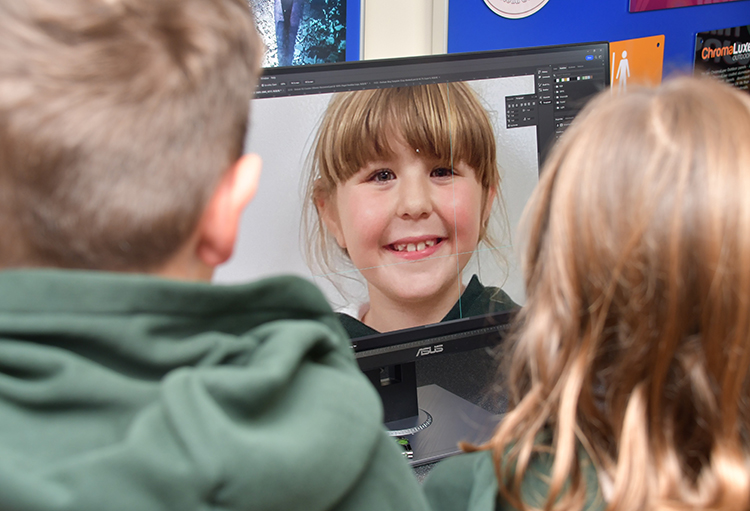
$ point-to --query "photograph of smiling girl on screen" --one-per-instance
(402, 186)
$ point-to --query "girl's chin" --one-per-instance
(427, 297)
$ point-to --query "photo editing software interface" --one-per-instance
(397, 187)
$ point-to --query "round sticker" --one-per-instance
(515, 8)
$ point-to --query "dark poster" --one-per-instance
(725, 55)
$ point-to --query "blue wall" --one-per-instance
(353, 29)
(472, 26)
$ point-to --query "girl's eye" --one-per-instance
(442, 172)
(382, 175)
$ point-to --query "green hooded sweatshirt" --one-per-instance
(137, 393)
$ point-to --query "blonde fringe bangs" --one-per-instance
(445, 122)
(634, 343)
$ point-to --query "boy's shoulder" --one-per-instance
(80, 292)
(466, 481)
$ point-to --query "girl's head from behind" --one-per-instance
(402, 175)
(635, 338)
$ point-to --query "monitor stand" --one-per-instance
(444, 420)
(432, 419)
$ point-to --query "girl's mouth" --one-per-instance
(421, 248)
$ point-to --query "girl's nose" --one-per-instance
(415, 200)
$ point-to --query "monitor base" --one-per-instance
(453, 420)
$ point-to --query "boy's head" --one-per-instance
(118, 121)
(445, 123)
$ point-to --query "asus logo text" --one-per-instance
(430, 350)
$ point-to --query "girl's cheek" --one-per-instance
(453, 199)
(367, 205)
(365, 215)
(467, 211)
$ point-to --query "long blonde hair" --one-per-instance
(634, 343)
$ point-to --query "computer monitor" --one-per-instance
(401, 183)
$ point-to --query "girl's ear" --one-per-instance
(329, 214)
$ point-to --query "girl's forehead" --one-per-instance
(392, 129)
(396, 139)
(396, 142)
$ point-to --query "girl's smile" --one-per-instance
(412, 248)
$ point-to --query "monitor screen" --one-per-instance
(397, 187)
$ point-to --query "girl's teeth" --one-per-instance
(414, 247)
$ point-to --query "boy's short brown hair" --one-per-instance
(117, 119)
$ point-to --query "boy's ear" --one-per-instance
(217, 229)
(329, 214)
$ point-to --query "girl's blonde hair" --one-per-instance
(634, 343)
(443, 121)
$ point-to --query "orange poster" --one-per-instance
(636, 62)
